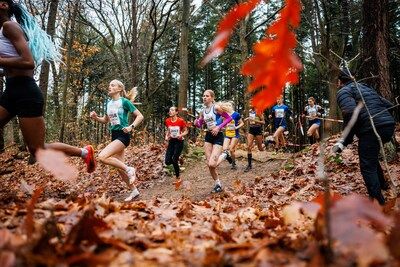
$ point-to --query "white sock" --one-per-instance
(84, 152)
(218, 182)
(135, 190)
(224, 155)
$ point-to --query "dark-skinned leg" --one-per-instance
(67, 149)
(33, 131)
(5, 117)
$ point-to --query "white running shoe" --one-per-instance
(131, 174)
(134, 194)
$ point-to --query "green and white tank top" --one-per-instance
(117, 112)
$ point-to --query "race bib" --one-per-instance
(230, 129)
(210, 124)
(113, 116)
(174, 131)
(279, 113)
(312, 112)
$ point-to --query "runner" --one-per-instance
(279, 112)
(214, 138)
(176, 131)
(231, 138)
(118, 109)
(313, 112)
(256, 121)
(22, 97)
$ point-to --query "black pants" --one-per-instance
(368, 152)
(174, 150)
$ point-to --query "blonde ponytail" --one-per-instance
(226, 106)
(131, 95)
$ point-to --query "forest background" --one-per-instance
(157, 45)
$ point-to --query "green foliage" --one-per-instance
(336, 159)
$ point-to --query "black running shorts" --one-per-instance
(125, 138)
(255, 131)
(214, 139)
(22, 97)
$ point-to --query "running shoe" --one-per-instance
(134, 194)
(178, 184)
(131, 172)
(248, 168)
(228, 156)
(89, 159)
(233, 167)
(217, 189)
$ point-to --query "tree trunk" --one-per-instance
(184, 65)
(67, 71)
(45, 69)
(375, 61)
(134, 48)
(244, 47)
(1, 128)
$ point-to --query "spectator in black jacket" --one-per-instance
(348, 97)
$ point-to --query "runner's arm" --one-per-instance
(93, 115)
(240, 125)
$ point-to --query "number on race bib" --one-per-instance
(174, 131)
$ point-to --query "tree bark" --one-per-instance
(67, 71)
(45, 69)
(1, 128)
(134, 48)
(375, 60)
(183, 56)
(244, 47)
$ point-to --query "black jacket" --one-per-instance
(348, 97)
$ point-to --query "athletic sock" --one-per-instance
(84, 152)
(249, 158)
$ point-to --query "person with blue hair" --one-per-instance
(23, 45)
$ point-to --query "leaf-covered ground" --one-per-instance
(263, 218)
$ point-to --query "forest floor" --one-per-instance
(270, 216)
(197, 182)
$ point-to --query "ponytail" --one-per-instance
(131, 95)
(226, 106)
(39, 42)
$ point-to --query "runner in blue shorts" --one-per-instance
(313, 112)
(279, 112)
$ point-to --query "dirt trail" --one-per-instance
(197, 181)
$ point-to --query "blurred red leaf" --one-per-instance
(87, 229)
(352, 217)
(394, 237)
(56, 163)
(29, 221)
(274, 64)
(7, 259)
(225, 29)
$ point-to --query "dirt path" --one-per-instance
(198, 183)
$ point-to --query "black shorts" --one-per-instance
(214, 139)
(255, 131)
(22, 97)
(125, 138)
